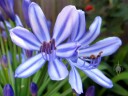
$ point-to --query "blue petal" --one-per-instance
(7, 24)
(75, 80)
(38, 22)
(57, 70)
(25, 6)
(25, 39)
(98, 77)
(29, 67)
(66, 50)
(11, 2)
(79, 33)
(95, 74)
(94, 31)
(81, 64)
(108, 46)
(65, 23)
(18, 21)
(7, 6)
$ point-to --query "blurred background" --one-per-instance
(114, 14)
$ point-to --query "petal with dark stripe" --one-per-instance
(65, 22)
(98, 77)
(94, 31)
(78, 33)
(66, 50)
(107, 46)
(38, 22)
(30, 67)
(57, 70)
(25, 39)
(75, 80)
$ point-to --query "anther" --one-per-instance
(92, 56)
(47, 47)
(99, 54)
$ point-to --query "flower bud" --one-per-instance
(90, 91)
(8, 91)
(33, 89)
(4, 61)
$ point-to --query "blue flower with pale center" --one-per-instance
(50, 49)
(88, 56)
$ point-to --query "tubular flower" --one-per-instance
(50, 50)
(88, 56)
(7, 6)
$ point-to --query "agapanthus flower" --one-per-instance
(7, 6)
(50, 50)
(88, 56)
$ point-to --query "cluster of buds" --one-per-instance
(8, 90)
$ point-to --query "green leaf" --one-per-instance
(121, 76)
(119, 90)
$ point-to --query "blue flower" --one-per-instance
(8, 91)
(88, 57)
(7, 6)
(50, 49)
(33, 89)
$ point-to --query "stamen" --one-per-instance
(93, 61)
(92, 56)
(48, 48)
(99, 54)
(52, 41)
